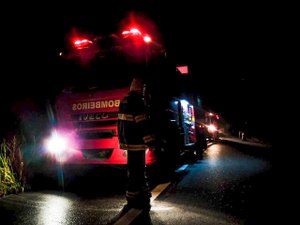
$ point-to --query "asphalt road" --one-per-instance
(231, 184)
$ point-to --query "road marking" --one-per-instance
(158, 190)
(129, 217)
(209, 144)
(132, 214)
(182, 168)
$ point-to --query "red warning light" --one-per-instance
(132, 31)
(82, 43)
(147, 39)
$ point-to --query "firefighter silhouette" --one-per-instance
(135, 137)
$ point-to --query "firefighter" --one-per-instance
(135, 137)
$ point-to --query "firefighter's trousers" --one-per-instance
(137, 193)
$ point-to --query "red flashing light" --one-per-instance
(132, 31)
(82, 43)
(136, 32)
(147, 39)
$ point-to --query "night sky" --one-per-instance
(229, 48)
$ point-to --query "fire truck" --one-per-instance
(85, 130)
(208, 127)
(86, 127)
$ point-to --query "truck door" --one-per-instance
(188, 122)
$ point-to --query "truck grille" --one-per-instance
(94, 116)
(97, 154)
(94, 124)
(97, 134)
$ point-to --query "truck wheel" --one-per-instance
(167, 161)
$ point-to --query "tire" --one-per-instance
(167, 160)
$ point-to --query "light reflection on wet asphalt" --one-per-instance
(221, 187)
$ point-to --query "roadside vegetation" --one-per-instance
(22, 160)
(12, 167)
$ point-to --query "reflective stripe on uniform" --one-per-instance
(127, 117)
(140, 118)
(133, 147)
(149, 138)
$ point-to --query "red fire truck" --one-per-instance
(86, 129)
(209, 126)
(86, 115)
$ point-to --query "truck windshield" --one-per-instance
(107, 71)
(103, 74)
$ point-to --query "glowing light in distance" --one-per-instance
(211, 128)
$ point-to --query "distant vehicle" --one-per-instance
(210, 126)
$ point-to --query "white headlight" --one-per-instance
(56, 143)
(211, 128)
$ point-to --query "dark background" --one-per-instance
(230, 50)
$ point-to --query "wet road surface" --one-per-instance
(230, 184)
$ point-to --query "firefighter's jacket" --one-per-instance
(133, 123)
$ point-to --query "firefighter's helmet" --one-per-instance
(137, 85)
